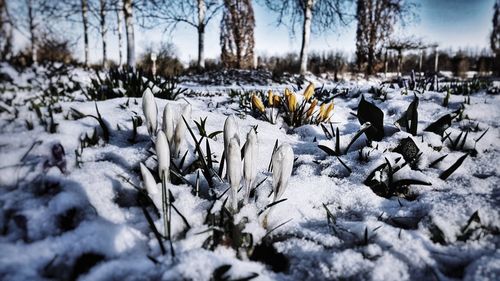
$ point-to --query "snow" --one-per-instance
(49, 219)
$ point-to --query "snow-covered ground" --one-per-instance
(77, 214)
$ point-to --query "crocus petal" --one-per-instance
(250, 164)
(148, 181)
(309, 92)
(234, 170)
(257, 103)
(180, 130)
(163, 155)
(282, 169)
(150, 111)
(168, 123)
(230, 131)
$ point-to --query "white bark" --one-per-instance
(119, 18)
(31, 19)
(85, 32)
(306, 34)
(129, 29)
(202, 9)
(104, 30)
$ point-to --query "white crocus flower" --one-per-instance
(250, 164)
(234, 170)
(180, 130)
(148, 181)
(230, 131)
(150, 111)
(282, 169)
(168, 123)
(163, 155)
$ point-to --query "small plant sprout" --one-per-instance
(163, 154)
(180, 130)
(168, 123)
(250, 164)
(282, 169)
(148, 180)
(234, 170)
(150, 111)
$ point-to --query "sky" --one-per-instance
(450, 23)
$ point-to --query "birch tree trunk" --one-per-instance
(306, 34)
(119, 18)
(201, 33)
(104, 30)
(129, 29)
(85, 32)
(31, 22)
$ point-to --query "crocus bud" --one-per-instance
(180, 129)
(282, 169)
(168, 123)
(322, 109)
(148, 181)
(276, 100)
(257, 103)
(328, 112)
(150, 111)
(163, 155)
(309, 92)
(270, 98)
(292, 102)
(230, 131)
(234, 170)
(250, 164)
(311, 108)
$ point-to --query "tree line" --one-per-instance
(376, 45)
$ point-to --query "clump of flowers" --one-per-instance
(295, 110)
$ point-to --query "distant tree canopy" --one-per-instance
(312, 15)
(376, 21)
(495, 33)
(237, 37)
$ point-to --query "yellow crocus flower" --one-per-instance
(292, 102)
(311, 108)
(309, 92)
(277, 100)
(270, 98)
(257, 103)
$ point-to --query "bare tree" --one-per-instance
(6, 31)
(495, 36)
(237, 38)
(85, 22)
(104, 29)
(314, 15)
(194, 13)
(403, 44)
(495, 33)
(376, 21)
(129, 29)
(32, 29)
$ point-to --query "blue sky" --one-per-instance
(450, 23)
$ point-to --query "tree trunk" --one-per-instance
(104, 30)
(6, 31)
(85, 32)
(201, 33)
(31, 19)
(436, 61)
(306, 34)
(119, 18)
(129, 29)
